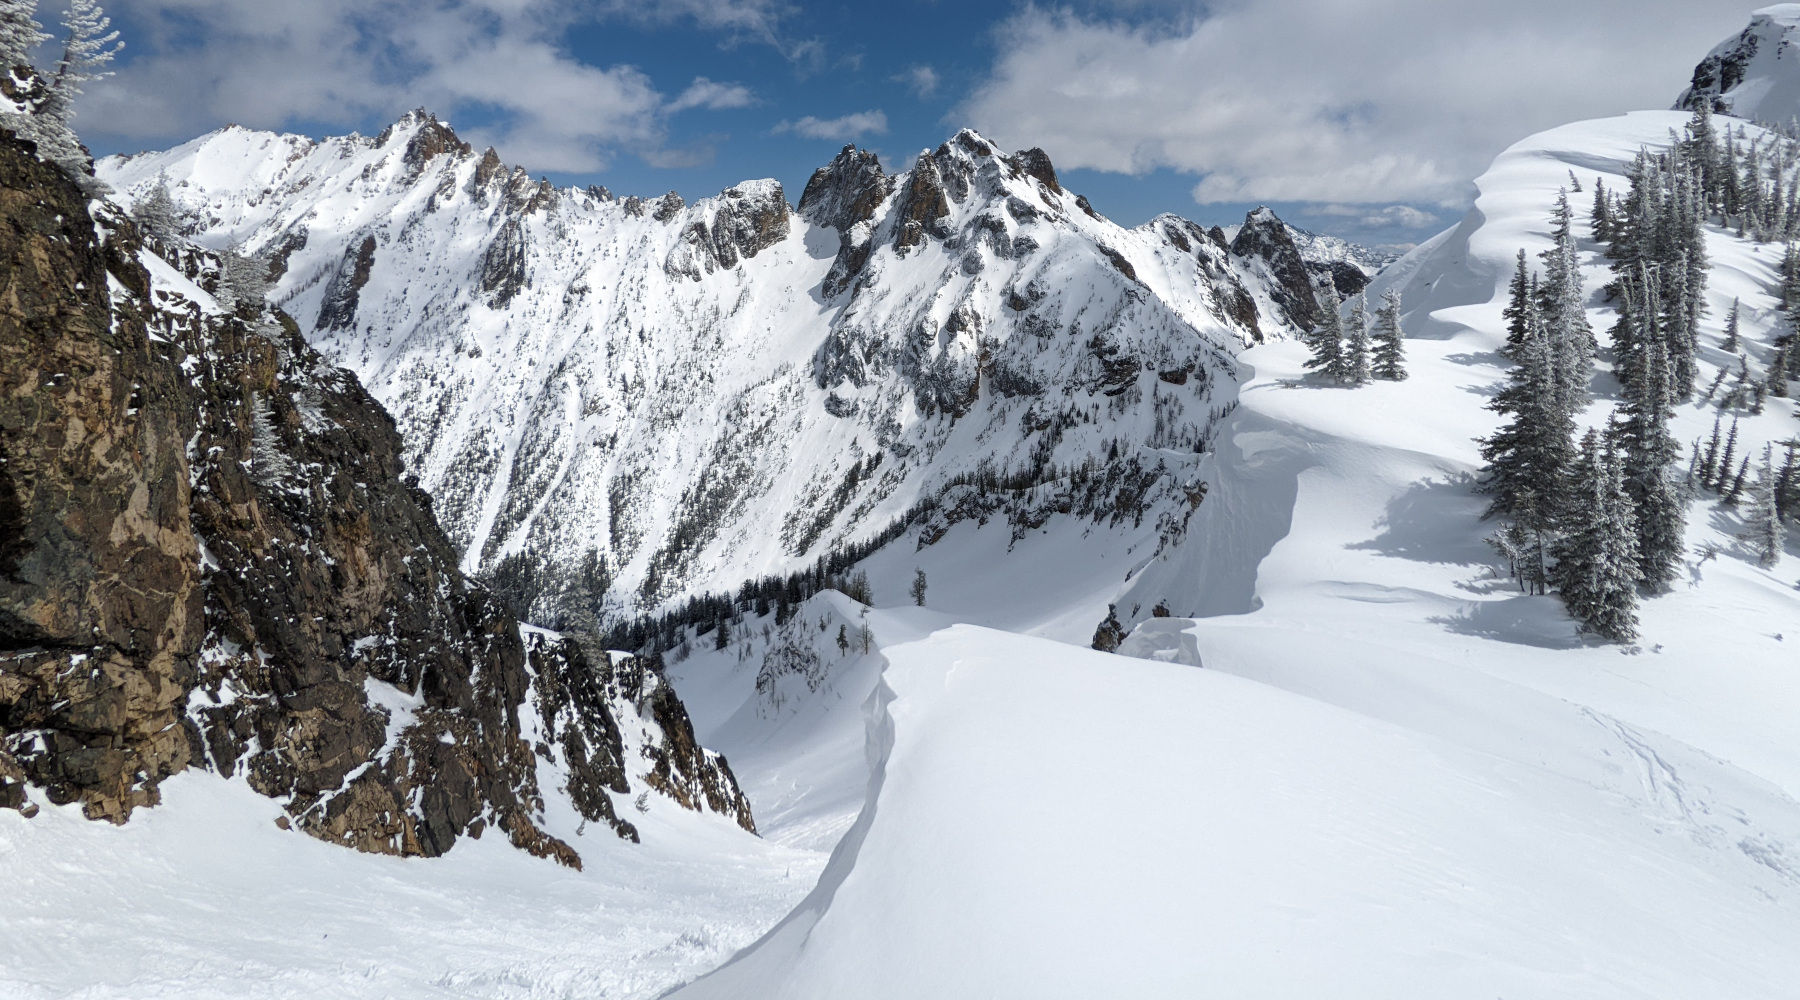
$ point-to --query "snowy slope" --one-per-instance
(1754, 75)
(1395, 775)
(699, 394)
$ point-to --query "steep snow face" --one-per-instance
(1754, 75)
(648, 398)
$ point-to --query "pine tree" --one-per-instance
(1564, 313)
(1327, 343)
(1601, 216)
(1777, 383)
(918, 587)
(19, 33)
(722, 636)
(87, 48)
(1767, 533)
(843, 640)
(1650, 454)
(1356, 357)
(155, 212)
(1530, 452)
(1730, 343)
(1520, 294)
(1596, 559)
(1390, 340)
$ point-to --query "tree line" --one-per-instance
(1602, 519)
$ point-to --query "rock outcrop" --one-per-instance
(210, 555)
(1303, 297)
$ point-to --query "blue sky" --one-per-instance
(1365, 118)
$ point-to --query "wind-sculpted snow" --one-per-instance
(646, 398)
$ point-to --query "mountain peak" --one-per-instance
(1751, 75)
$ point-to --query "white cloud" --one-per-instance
(1371, 102)
(846, 129)
(704, 93)
(1378, 217)
(343, 63)
(921, 80)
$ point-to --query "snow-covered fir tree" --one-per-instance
(1596, 570)
(1730, 343)
(1767, 534)
(1531, 452)
(1564, 312)
(1390, 340)
(1357, 362)
(1649, 455)
(1326, 341)
(20, 32)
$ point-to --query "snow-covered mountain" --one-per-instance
(1755, 74)
(616, 402)
(1345, 755)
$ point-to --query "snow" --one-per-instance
(1395, 776)
(1354, 762)
(1768, 83)
(204, 897)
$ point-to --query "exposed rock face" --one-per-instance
(845, 191)
(210, 554)
(503, 265)
(100, 591)
(1721, 72)
(1304, 299)
(1752, 74)
(338, 310)
(1344, 277)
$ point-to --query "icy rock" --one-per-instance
(1164, 639)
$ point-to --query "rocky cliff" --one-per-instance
(211, 555)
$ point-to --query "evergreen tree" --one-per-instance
(19, 33)
(155, 212)
(722, 635)
(843, 640)
(1596, 559)
(1327, 343)
(1767, 533)
(1520, 294)
(918, 587)
(1601, 216)
(1390, 340)
(1650, 454)
(1565, 315)
(1730, 343)
(1777, 383)
(1531, 451)
(1356, 353)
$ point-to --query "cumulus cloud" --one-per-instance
(704, 93)
(341, 63)
(1379, 217)
(845, 129)
(921, 80)
(1292, 100)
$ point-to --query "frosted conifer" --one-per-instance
(1327, 343)
(1650, 454)
(1390, 340)
(1596, 559)
(1356, 357)
(1531, 452)
(1767, 533)
(1731, 329)
(20, 33)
